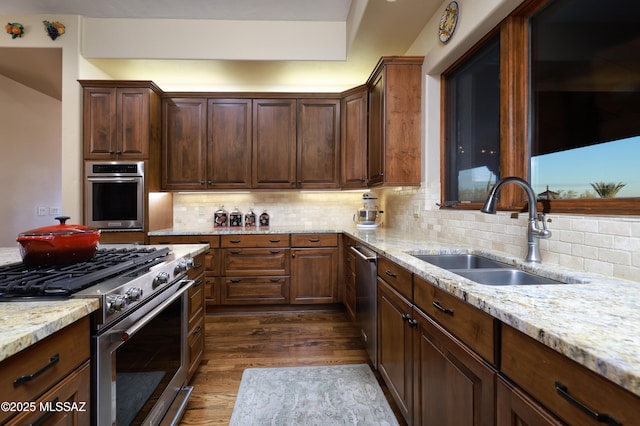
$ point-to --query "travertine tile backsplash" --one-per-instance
(319, 209)
(600, 244)
(607, 245)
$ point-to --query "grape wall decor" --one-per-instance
(54, 29)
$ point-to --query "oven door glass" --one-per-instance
(115, 202)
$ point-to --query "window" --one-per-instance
(567, 110)
(585, 80)
(473, 125)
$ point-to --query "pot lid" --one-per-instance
(61, 229)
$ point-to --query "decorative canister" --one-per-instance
(250, 219)
(264, 218)
(235, 218)
(220, 217)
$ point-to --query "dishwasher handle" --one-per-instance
(364, 254)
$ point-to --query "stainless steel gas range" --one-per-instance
(139, 334)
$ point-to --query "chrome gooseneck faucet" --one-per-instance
(534, 232)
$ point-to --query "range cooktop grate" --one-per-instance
(18, 280)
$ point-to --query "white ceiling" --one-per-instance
(270, 10)
(385, 28)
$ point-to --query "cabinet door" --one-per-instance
(375, 169)
(515, 408)
(229, 143)
(184, 143)
(453, 386)
(274, 143)
(318, 143)
(314, 275)
(133, 122)
(99, 122)
(395, 346)
(354, 139)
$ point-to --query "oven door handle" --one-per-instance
(114, 180)
(124, 335)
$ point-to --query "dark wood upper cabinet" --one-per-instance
(184, 143)
(395, 127)
(274, 143)
(229, 143)
(318, 147)
(353, 141)
(121, 119)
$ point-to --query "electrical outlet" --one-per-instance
(41, 211)
(54, 211)
(416, 210)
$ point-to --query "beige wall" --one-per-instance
(30, 164)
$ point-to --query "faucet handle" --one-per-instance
(542, 217)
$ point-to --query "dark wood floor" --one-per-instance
(284, 339)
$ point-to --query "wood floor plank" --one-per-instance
(235, 342)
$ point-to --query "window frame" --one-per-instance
(514, 125)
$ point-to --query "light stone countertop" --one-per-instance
(595, 321)
(24, 323)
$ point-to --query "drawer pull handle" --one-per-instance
(197, 266)
(441, 308)
(234, 241)
(197, 283)
(235, 281)
(406, 317)
(28, 377)
(235, 251)
(314, 240)
(391, 274)
(275, 251)
(563, 391)
(274, 241)
(197, 330)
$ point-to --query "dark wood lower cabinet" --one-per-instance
(515, 408)
(394, 346)
(453, 386)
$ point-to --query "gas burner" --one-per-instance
(19, 281)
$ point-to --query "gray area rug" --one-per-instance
(323, 395)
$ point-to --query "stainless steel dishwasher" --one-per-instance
(366, 299)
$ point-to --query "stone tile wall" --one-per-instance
(607, 245)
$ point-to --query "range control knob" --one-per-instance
(161, 278)
(183, 265)
(134, 294)
(117, 303)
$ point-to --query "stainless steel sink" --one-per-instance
(503, 277)
(460, 261)
(483, 270)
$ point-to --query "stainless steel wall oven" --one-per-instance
(114, 194)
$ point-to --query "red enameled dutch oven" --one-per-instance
(58, 244)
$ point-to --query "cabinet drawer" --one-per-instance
(268, 240)
(398, 277)
(212, 240)
(466, 322)
(254, 290)
(255, 261)
(561, 384)
(196, 300)
(48, 361)
(195, 346)
(212, 290)
(74, 390)
(314, 240)
(198, 266)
